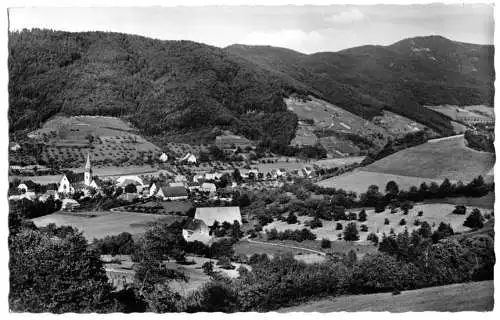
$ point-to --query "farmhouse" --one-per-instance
(69, 204)
(50, 193)
(221, 214)
(172, 193)
(196, 230)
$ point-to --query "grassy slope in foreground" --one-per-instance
(437, 159)
(474, 296)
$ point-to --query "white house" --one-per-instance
(69, 204)
(163, 157)
(22, 188)
(213, 176)
(196, 230)
(172, 193)
(208, 187)
(189, 158)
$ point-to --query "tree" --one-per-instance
(362, 216)
(373, 238)
(475, 220)
(237, 175)
(386, 221)
(49, 275)
(236, 232)
(391, 189)
(338, 226)
(130, 188)
(402, 222)
(460, 210)
(292, 218)
(351, 232)
(326, 243)
(425, 230)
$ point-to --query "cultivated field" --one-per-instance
(111, 223)
(359, 181)
(111, 141)
(397, 125)
(437, 159)
(474, 296)
(432, 213)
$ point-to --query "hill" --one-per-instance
(179, 89)
(401, 77)
(474, 296)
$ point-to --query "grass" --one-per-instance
(434, 214)
(105, 224)
(474, 296)
(487, 201)
(443, 158)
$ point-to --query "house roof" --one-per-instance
(211, 214)
(196, 224)
(75, 177)
(207, 185)
(174, 191)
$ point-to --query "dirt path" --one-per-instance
(287, 246)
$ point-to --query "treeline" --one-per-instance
(480, 141)
(173, 87)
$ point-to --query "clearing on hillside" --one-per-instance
(111, 223)
(110, 141)
(433, 213)
(437, 159)
(473, 296)
(359, 181)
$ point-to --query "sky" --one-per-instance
(307, 29)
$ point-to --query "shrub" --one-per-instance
(373, 238)
(460, 210)
(416, 222)
(386, 221)
(362, 216)
(291, 219)
(351, 232)
(402, 222)
(339, 226)
(475, 220)
(326, 243)
(364, 228)
(420, 213)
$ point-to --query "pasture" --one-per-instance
(458, 113)
(473, 296)
(359, 181)
(105, 224)
(397, 125)
(437, 159)
(434, 214)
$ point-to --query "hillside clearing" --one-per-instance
(474, 296)
(437, 159)
(434, 214)
(359, 181)
(106, 224)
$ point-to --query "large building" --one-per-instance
(71, 183)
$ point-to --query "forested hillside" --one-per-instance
(162, 87)
(401, 77)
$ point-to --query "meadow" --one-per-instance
(434, 214)
(107, 223)
(473, 296)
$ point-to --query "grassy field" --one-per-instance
(458, 112)
(437, 159)
(487, 202)
(105, 224)
(397, 125)
(359, 181)
(474, 296)
(434, 214)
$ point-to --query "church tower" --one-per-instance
(88, 171)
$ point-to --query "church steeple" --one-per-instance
(88, 171)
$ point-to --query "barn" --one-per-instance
(196, 230)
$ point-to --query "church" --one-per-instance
(71, 183)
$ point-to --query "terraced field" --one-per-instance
(110, 141)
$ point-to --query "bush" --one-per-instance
(364, 228)
(420, 213)
(402, 222)
(338, 226)
(475, 220)
(373, 238)
(460, 210)
(351, 232)
(326, 243)
(362, 216)
(386, 221)
(291, 219)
